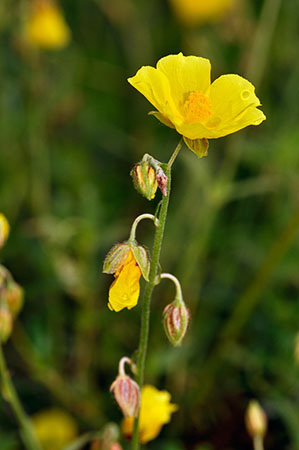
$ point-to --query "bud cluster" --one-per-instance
(11, 302)
(147, 176)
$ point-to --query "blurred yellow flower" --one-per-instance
(4, 229)
(54, 428)
(46, 26)
(155, 411)
(180, 89)
(124, 291)
(192, 12)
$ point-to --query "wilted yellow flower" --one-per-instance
(155, 411)
(192, 12)
(54, 428)
(4, 229)
(46, 26)
(180, 89)
(124, 291)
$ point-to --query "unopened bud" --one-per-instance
(127, 395)
(144, 179)
(126, 391)
(6, 324)
(176, 318)
(14, 296)
(255, 419)
(162, 181)
(4, 229)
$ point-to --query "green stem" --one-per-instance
(10, 394)
(145, 314)
(258, 442)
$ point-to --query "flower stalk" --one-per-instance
(11, 396)
(145, 315)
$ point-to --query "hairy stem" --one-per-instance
(145, 315)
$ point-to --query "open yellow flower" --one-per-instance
(124, 291)
(4, 229)
(46, 26)
(155, 411)
(54, 428)
(180, 89)
(192, 12)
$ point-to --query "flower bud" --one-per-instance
(6, 324)
(144, 179)
(255, 419)
(175, 319)
(127, 395)
(14, 296)
(116, 258)
(4, 229)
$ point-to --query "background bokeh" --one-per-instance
(71, 128)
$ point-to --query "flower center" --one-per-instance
(197, 107)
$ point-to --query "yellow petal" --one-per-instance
(154, 85)
(161, 118)
(124, 291)
(234, 106)
(185, 74)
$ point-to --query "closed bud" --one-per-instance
(14, 296)
(6, 324)
(255, 419)
(116, 258)
(175, 319)
(4, 229)
(144, 179)
(127, 395)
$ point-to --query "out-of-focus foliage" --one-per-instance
(71, 128)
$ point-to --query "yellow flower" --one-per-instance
(180, 89)
(46, 27)
(192, 12)
(4, 229)
(124, 291)
(155, 411)
(54, 428)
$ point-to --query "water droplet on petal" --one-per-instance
(245, 94)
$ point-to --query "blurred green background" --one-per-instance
(71, 128)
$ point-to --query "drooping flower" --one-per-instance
(124, 291)
(193, 12)
(155, 411)
(54, 428)
(180, 89)
(46, 27)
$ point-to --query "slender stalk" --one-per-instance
(179, 294)
(258, 442)
(145, 314)
(10, 394)
(136, 222)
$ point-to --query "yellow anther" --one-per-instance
(197, 107)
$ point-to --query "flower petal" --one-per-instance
(234, 106)
(185, 74)
(124, 291)
(154, 85)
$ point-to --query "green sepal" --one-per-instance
(142, 258)
(198, 146)
(116, 257)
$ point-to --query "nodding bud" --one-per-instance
(4, 229)
(175, 319)
(6, 324)
(126, 391)
(255, 419)
(14, 296)
(127, 395)
(144, 179)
